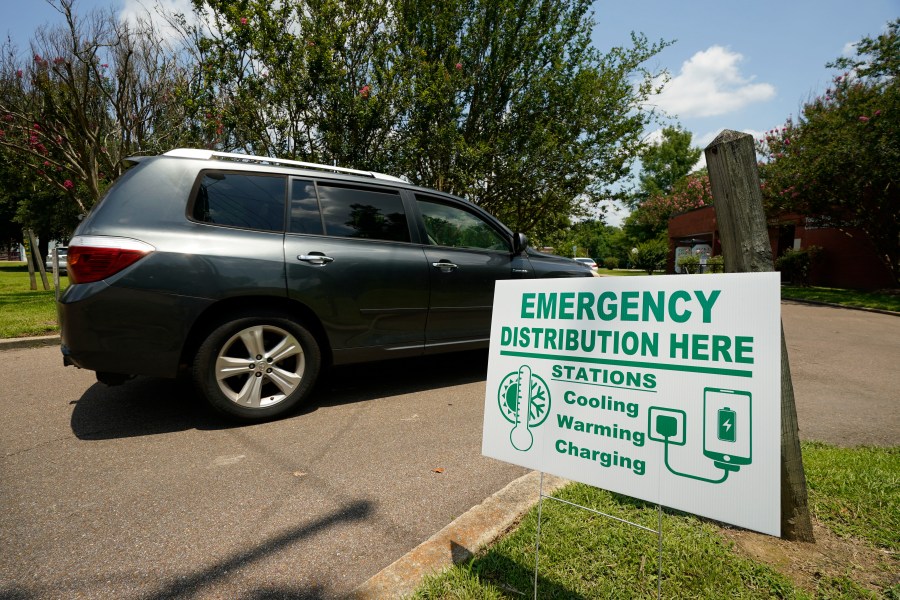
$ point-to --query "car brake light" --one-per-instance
(93, 258)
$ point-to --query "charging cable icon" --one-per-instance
(726, 431)
(669, 427)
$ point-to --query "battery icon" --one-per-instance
(726, 424)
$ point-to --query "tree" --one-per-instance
(28, 202)
(514, 108)
(504, 102)
(650, 255)
(686, 194)
(94, 91)
(665, 163)
(310, 80)
(666, 185)
(592, 237)
(841, 160)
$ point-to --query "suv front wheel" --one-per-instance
(255, 368)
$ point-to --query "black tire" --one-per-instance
(256, 368)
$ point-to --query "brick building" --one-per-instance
(848, 260)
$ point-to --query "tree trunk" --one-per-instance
(734, 179)
(38, 259)
(29, 260)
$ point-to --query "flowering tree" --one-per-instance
(841, 159)
(92, 92)
(688, 193)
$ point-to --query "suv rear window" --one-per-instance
(241, 200)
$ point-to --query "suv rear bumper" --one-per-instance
(121, 330)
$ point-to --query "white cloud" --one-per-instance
(706, 139)
(709, 84)
(158, 12)
(615, 214)
(654, 138)
(849, 49)
(132, 9)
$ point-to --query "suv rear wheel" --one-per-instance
(258, 367)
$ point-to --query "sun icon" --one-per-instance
(539, 399)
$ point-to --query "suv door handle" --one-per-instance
(316, 258)
(445, 266)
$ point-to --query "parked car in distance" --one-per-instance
(62, 251)
(588, 262)
(251, 274)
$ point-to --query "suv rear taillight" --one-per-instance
(92, 258)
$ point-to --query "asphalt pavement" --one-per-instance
(139, 492)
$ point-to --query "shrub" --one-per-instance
(651, 255)
(689, 263)
(715, 264)
(794, 264)
(611, 262)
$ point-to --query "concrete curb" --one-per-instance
(29, 342)
(461, 539)
(862, 308)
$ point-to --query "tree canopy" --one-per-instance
(665, 163)
(840, 160)
(504, 102)
(666, 185)
(92, 91)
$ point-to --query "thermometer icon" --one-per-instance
(521, 436)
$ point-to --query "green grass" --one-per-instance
(25, 312)
(843, 297)
(584, 555)
(856, 491)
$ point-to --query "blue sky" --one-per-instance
(746, 66)
(737, 65)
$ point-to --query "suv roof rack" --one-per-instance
(249, 158)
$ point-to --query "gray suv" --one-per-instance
(252, 274)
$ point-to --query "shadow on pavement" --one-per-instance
(148, 406)
(214, 578)
(367, 381)
(142, 406)
(190, 585)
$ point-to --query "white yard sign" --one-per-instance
(667, 389)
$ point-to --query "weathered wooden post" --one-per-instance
(734, 179)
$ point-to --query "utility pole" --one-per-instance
(737, 198)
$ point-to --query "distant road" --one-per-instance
(844, 365)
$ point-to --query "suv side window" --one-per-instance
(448, 225)
(241, 200)
(363, 213)
(305, 214)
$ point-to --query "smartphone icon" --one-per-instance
(727, 426)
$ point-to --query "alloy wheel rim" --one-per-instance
(260, 366)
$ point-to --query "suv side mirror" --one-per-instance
(520, 243)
